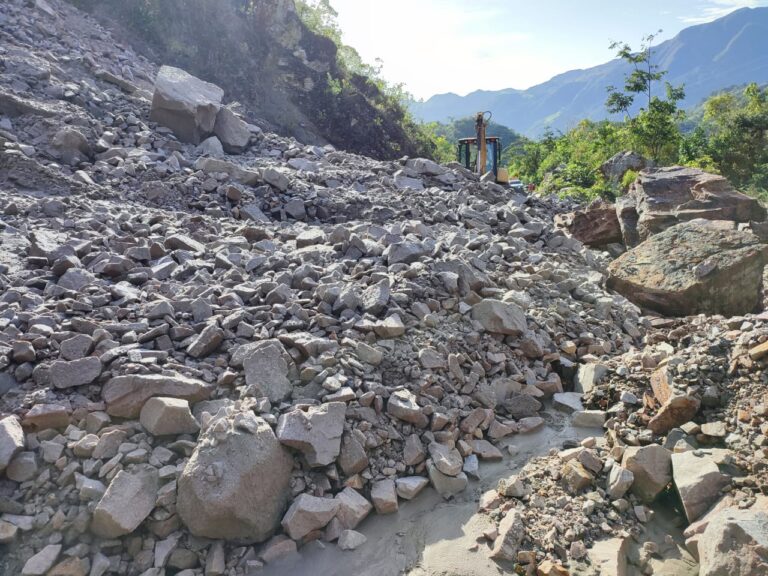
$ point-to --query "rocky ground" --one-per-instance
(225, 352)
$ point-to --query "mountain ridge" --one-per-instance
(729, 51)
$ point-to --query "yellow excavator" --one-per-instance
(482, 154)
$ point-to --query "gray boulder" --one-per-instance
(663, 197)
(237, 482)
(735, 543)
(185, 104)
(698, 481)
(693, 268)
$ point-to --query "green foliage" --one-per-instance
(571, 162)
(654, 130)
(629, 178)
(320, 17)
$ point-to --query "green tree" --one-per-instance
(737, 127)
(654, 129)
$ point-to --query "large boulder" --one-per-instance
(735, 543)
(692, 268)
(185, 104)
(237, 482)
(597, 225)
(663, 197)
(698, 481)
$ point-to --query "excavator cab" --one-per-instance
(482, 154)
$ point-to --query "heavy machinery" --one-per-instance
(482, 154)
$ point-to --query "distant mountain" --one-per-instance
(730, 51)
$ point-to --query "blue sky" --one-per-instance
(436, 46)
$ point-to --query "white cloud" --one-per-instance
(715, 9)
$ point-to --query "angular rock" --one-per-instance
(447, 486)
(126, 395)
(315, 431)
(129, 499)
(168, 416)
(410, 486)
(266, 369)
(207, 342)
(610, 556)
(677, 410)
(693, 268)
(500, 317)
(75, 373)
(588, 419)
(511, 534)
(651, 467)
(308, 513)
(698, 481)
(619, 481)
(597, 225)
(384, 496)
(447, 460)
(615, 167)
(512, 487)
(568, 402)
(232, 131)
(237, 482)
(12, 440)
(351, 540)
(664, 197)
(352, 458)
(185, 104)
(403, 406)
(575, 477)
(589, 376)
(353, 508)
(735, 544)
(42, 562)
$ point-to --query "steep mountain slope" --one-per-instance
(263, 55)
(705, 58)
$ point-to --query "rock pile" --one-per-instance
(209, 360)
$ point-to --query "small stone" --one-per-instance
(42, 562)
(350, 540)
(308, 513)
(410, 486)
(384, 496)
(353, 508)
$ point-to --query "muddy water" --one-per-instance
(429, 536)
